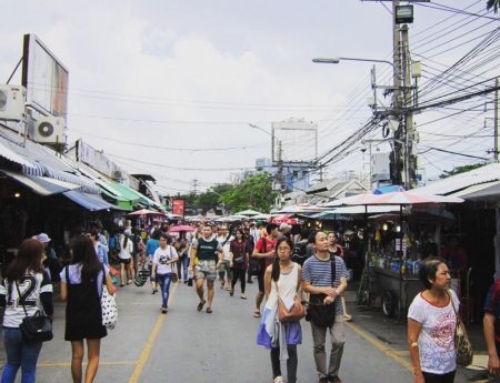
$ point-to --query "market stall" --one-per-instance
(394, 251)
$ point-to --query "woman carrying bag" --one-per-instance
(82, 283)
(164, 258)
(432, 322)
(24, 278)
(281, 282)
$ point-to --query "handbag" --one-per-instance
(109, 308)
(36, 328)
(317, 312)
(465, 353)
(174, 275)
(294, 314)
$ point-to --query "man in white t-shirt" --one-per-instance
(224, 238)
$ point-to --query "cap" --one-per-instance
(44, 238)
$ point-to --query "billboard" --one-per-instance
(45, 78)
(178, 207)
(294, 140)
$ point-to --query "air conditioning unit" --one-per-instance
(50, 130)
(12, 99)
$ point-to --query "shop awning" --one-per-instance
(135, 196)
(91, 202)
(43, 186)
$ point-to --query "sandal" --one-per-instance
(209, 310)
(278, 379)
(200, 305)
(256, 314)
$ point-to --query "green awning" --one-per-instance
(135, 196)
(117, 199)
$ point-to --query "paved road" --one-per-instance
(187, 346)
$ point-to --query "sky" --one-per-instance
(170, 87)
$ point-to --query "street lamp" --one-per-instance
(396, 111)
(259, 128)
(337, 60)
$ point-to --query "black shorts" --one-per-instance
(125, 261)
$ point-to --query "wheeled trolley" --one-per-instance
(396, 290)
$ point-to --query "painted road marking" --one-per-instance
(397, 356)
(146, 351)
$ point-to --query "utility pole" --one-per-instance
(495, 122)
(409, 131)
(195, 186)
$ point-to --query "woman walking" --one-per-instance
(125, 258)
(238, 253)
(24, 278)
(82, 282)
(282, 279)
(163, 258)
(431, 326)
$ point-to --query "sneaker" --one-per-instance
(243, 296)
(154, 291)
(348, 318)
(164, 310)
(129, 282)
(122, 285)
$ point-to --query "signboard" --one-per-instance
(178, 207)
(294, 141)
(45, 78)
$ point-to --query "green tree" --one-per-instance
(495, 4)
(211, 198)
(460, 169)
(255, 192)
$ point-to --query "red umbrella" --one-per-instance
(179, 228)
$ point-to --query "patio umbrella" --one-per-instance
(145, 212)
(410, 197)
(248, 212)
(179, 228)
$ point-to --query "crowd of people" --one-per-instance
(308, 268)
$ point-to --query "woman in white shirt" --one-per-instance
(163, 258)
(125, 258)
(431, 326)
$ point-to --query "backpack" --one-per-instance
(299, 253)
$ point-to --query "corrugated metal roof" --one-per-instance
(39, 160)
(453, 184)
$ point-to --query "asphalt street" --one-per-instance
(189, 346)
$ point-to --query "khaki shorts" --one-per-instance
(206, 270)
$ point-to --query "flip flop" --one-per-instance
(256, 314)
(200, 305)
(209, 310)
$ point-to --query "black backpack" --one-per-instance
(299, 254)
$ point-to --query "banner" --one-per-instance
(178, 207)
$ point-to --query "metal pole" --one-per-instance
(495, 122)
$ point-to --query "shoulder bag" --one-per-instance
(294, 313)
(36, 328)
(465, 353)
(109, 308)
(173, 266)
(317, 312)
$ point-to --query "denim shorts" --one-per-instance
(206, 270)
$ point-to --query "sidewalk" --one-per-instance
(393, 333)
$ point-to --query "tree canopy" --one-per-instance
(460, 169)
(255, 192)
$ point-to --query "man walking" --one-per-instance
(203, 265)
(325, 278)
(264, 251)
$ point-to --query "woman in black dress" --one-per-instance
(82, 282)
